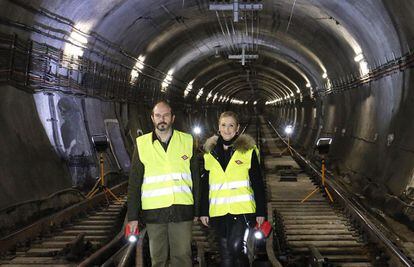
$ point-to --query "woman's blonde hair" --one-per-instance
(229, 114)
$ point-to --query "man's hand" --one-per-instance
(204, 220)
(260, 220)
(195, 219)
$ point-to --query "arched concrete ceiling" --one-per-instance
(296, 41)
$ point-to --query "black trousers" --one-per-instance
(231, 230)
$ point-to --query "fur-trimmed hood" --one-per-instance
(243, 143)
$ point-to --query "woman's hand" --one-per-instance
(133, 225)
(260, 220)
(204, 220)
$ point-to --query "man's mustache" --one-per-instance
(161, 123)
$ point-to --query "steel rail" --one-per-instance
(132, 248)
(99, 256)
(43, 225)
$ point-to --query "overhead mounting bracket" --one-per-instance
(235, 7)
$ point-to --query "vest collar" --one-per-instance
(242, 144)
(155, 137)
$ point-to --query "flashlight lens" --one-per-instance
(132, 238)
(258, 235)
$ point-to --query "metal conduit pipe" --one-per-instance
(371, 228)
(59, 19)
(61, 192)
(100, 54)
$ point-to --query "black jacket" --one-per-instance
(174, 213)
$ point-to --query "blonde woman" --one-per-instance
(232, 189)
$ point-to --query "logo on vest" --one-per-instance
(184, 157)
(239, 162)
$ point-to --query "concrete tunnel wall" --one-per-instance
(370, 126)
(29, 166)
(36, 154)
(372, 148)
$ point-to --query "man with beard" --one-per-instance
(163, 189)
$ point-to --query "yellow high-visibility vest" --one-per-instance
(230, 190)
(167, 176)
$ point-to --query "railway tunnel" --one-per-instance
(71, 70)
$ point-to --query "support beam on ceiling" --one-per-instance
(243, 56)
(236, 7)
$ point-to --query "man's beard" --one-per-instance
(162, 126)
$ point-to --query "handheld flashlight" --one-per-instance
(263, 230)
(132, 236)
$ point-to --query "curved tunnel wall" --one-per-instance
(30, 168)
(371, 149)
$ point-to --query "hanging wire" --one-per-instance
(291, 14)
(222, 30)
(188, 32)
(232, 27)
(234, 35)
(258, 32)
(252, 44)
(247, 27)
(234, 49)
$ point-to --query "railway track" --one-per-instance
(319, 226)
(316, 231)
(312, 229)
(207, 252)
(73, 239)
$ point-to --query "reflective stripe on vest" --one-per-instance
(165, 191)
(230, 190)
(167, 176)
(230, 200)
